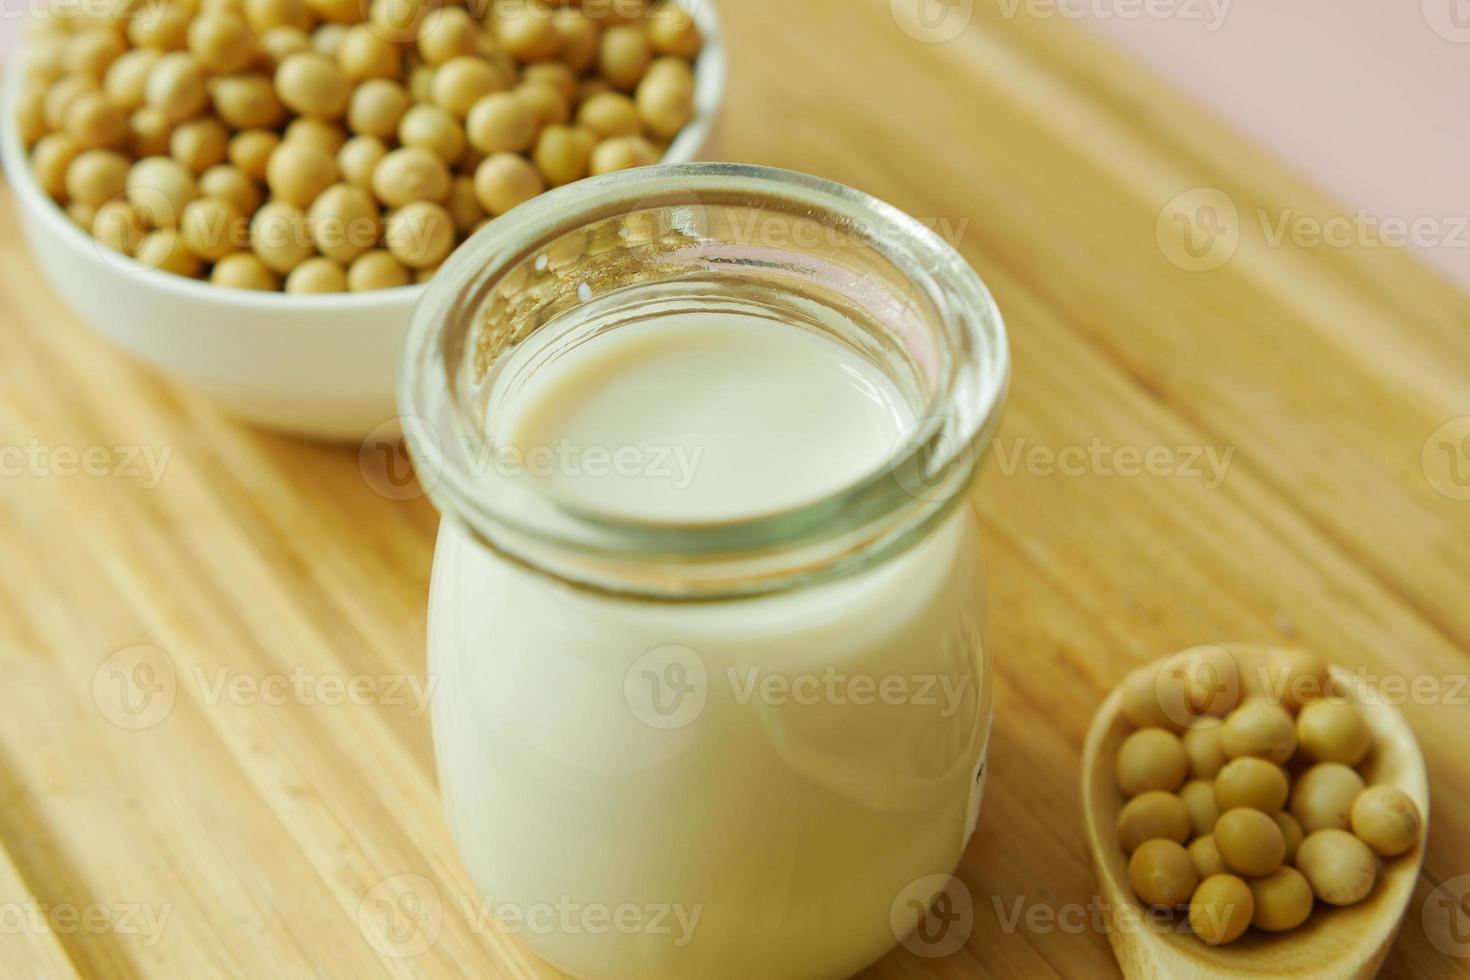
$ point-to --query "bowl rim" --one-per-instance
(709, 96)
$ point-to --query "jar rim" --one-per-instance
(863, 519)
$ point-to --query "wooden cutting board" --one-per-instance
(1242, 439)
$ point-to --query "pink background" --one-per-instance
(1364, 96)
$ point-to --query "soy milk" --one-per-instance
(741, 788)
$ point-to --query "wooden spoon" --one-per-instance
(1335, 942)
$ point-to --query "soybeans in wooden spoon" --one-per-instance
(1334, 942)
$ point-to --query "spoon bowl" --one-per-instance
(1339, 943)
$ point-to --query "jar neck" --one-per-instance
(585, 258)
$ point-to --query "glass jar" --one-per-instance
(720, 747)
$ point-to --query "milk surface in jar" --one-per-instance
(749, 783)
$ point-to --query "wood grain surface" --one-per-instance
(215, 832)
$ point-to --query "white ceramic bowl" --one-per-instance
(319, 366)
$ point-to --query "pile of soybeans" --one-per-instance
(326, 145)
(1245, 804)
